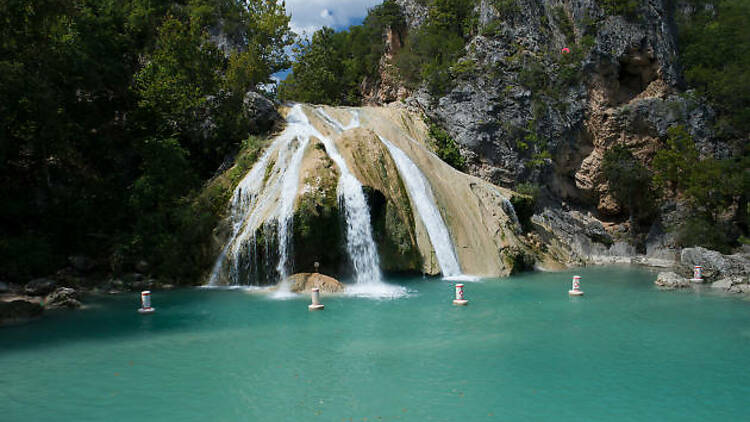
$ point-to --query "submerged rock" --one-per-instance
(304, 282)
(62, 297)
(40, 286)
(19, 310)
(723, 284)
(670, 280)
(732, 285)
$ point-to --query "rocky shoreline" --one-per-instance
(68, 288)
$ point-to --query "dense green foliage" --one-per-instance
(446, 147)
(525, 203)
(331, 67)
(716, 191)
(629, 183)
(113, 114)
(627, 8)
(433, 49)
(715, 51)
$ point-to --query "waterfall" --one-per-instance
(510, 211)
(424, 201)
(359, 241)
(254, 199)
(271, 192)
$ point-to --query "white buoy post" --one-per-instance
(697, 274)
(146, 303)
(459, 300)
(316, 306)
(576, 290)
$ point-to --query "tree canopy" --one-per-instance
(113, 113)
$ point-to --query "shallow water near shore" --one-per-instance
(521, 350)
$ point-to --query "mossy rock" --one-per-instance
(393, 234)
(517, 259)
(318, 226)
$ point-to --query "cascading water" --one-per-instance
(253, 203)
(424, 201)
(255, 197)
(359, 241)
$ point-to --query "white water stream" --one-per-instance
(424, 201)
(263, 194)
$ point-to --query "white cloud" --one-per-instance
(310, 15)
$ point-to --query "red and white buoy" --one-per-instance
(459, 300)
(146, 303)
(316, 306)
(697, 274)
(576, 290)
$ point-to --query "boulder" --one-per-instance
(740, 288)
(40, 286)
(62, 297)
(670, 280)
(82, 264)
(304, 282)
(724, 283)
(19, 310)
(260, 111)
(715, 265)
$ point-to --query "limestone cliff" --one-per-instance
(523, 109)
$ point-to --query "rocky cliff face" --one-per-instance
(527, 111)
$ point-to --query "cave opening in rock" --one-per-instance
(638, 68)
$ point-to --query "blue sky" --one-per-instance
(311, 15)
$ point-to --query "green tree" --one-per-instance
(112, 115)
(630, 183)
(331, 67)
(430, 51)
(715, 51)
(716, 191)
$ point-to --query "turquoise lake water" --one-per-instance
(521, 350)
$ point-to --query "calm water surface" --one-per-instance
(522, 350)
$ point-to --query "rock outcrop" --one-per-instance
(523, 112)
(715, 265)
(670, 280)
(259, 111)
(19, 310)
(62, 298)
(305, 282)
(40, 286)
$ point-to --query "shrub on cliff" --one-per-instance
(446, 147)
